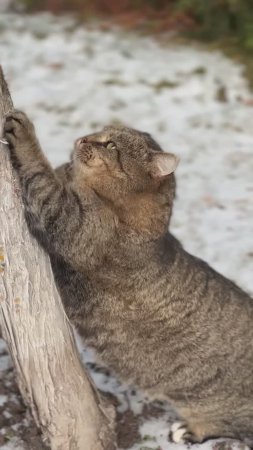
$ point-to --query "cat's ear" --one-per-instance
(163, 164)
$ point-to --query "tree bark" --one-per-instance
(52, 381)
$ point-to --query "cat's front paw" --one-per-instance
(18, 130)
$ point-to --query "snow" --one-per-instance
(3, 399)
(73, 79)
(13, 444)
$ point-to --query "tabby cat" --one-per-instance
(158, 316)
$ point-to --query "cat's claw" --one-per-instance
(179, 433)
(3, 141)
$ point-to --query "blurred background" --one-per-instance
(228, 23)
(181, 70)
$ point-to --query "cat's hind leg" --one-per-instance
(182, 432)
(179, 433)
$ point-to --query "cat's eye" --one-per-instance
(110, 145)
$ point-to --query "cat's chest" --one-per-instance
(110, 288)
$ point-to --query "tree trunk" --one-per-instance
(52, 381)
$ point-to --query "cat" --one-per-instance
(158, 316)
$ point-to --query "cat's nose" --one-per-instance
(80, 141)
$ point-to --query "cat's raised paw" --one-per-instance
(17, 128)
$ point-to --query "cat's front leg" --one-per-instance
(37, 178)
(55, 213)
(41, 190)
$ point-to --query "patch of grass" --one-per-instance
(231, 48)
(114, 82)
(227, 24)
(40, 35)
(164, 84)
(221, 94)
(219, 18)
(116, 122)
(148, 438)
(199, 71)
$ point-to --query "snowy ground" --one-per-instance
(73, 80)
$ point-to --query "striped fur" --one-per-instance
(160, 317)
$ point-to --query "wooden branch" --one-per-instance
(50, 375)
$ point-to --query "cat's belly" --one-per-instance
(178, 363)
(125, 353)
(160, 366)
(117, 332)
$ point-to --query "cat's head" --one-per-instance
(122, 160)
(123, 164)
